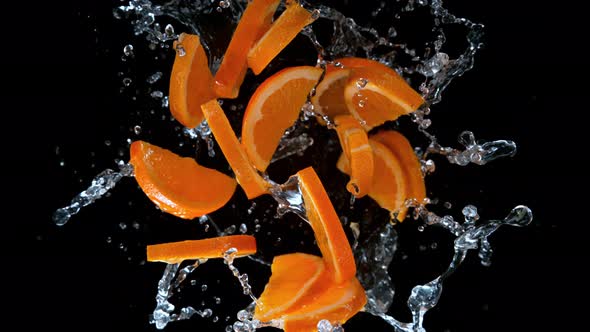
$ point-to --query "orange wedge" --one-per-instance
(176, 252)
(376, 93)
(355, 145)
(252, 183)
(329, 94)
(191, 82)
(178, 185)
(337, 304)
(295, 278)
(404, 152)
(280, 34)
(327, 227)
(255, 21)
(273, 108)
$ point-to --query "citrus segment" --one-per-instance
(255, 21)
(404, 152)
(191, 82)
(329, 96)
(355, 145)
(178, 185)
(176, 252)
(294, 277)
(252, 183)
(280, 34)
(337, 304)
(376, 93)
(273, 108)
(327, 227)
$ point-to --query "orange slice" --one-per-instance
(176, 252)
(252, 183)
(355, 145)
(329, 96)
(273, 108)
(191, 82)
(178, 185)
(404, 152)
(255, 21)
(280, 34)
(327, 227)
(376, 93)
(337, 304)
(295, 277)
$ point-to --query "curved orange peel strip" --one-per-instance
(176, 252)
(178, 185)
(326, 225)
(274, 107)
(252, 183)
(255, 21)
(355, 144)
(280, 34)
(191, 82)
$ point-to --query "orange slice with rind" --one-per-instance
(280, 34)
(273, 108)
(294, 278)
(177, 252)
(255, 21)
(252, 183)
(191, 82)
(329, 95)
(326, 225)
(376, 94)
(178, 185)
(355, 145)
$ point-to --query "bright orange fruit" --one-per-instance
(255, 21)
(376, 93)
(252, 183)
(404, 152)
(295, 278)
(355, 145)
(327, 227)
(280, 34)
(273, 108)
(329, 94)
(191, 82)
(176, 252)
(336, 304)
(178, 185)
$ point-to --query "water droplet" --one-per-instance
(157, 94)
(180, 50)
(137, 130)
(203, 287)
(467, 138)
(324, 325)
(127, 81)
(153, 78)
(362, 103)
(122, 225)
(169, 31)
(315, 14)
(470, 212)
(243, 228)
(361, 83)
(224, 3)
(243, 315)
(128, 50)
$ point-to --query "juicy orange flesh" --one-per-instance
(403, 150)
(294, 278)
(191, 82)
(255, 21)
(327, 228)
(329, 98)
(178, 185)
(373, 109)
(176, 252)
(280, 34)
(336, 304)
(252, 183)
(268, 116)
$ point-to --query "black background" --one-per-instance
(60, 88)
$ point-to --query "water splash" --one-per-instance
(100, 186)
(289, 198)
(202, 131)
(229, 257)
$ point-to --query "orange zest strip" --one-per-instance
(176, 252)
(355, 145)
(295, 278)
(404, 152)
(280, 34)
(336, 304)
(274, 107)
(191, 82)
(376, 93)
(252, 183)
(178, 185)
(255, 21)
(326, 225)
